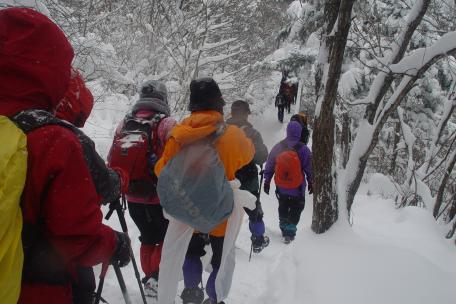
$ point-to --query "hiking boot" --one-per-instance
(259, 243)
(288, 239)
(192, 296)
(151, 287)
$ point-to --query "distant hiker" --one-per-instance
(138, 144)
(291, 163)
(49, 185)
(234, 150)
(287, 95)
(302, 119)
(248, 175)
(280, 103)
(289, 89)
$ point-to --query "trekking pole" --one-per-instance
(257, 204)
(104, 269)
(121, 280)
(119, 208)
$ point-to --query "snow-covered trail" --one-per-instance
(249, 277)
(389, 256)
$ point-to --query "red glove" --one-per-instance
(124, 179)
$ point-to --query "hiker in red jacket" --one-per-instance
(62, 218)
(137, 145)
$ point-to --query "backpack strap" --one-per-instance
(214, 136)
(30, 120)
(103, 179)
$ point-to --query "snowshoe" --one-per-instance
(259, 243)
(192, 296)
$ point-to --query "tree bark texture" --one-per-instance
(345, 138)
(325, 211)
(397, 139)
(443, 184)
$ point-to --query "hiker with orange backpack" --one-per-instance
(290, 162)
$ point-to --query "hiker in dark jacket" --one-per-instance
(290, 196)
(248, 175)
(301, 118)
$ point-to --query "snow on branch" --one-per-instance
(209, 46)
(445, 45)
(412, 63)
(218, 58)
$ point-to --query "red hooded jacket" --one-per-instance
(35, 66)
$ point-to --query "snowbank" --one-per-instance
(390, 256)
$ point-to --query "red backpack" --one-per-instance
(136, 149)
(288, 172)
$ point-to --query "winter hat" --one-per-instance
(294, 130)
(35, 61)
(240, 106)
(301, 118)
(153, 96)
(205, 95)
(77, 103)
(165, 127)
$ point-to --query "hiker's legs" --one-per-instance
(217, 250)
(256, 224)
(283, 214)
(83, 287)
(193, 267)
(290, 209)
(152, 226)
(295, 210)
(280, 113)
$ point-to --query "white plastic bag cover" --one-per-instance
(176, 243)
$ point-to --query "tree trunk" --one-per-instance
(333, 45)
(443, 184)
(397, 138)
(345, 139)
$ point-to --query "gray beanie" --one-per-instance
(153, 96)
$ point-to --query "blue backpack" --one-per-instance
(193, 187)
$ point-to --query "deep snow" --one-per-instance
(388, 256)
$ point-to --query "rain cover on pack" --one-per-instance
(193, 187)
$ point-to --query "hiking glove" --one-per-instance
(124, 179)
(266, 188)
(122, 254)
(311, 189)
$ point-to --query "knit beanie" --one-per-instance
(153, 96)
(205, 95)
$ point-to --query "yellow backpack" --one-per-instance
(13, 171)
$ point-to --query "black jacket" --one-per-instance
(261, 151)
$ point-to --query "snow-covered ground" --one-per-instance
(388, 255)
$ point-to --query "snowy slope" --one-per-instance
(389, 255)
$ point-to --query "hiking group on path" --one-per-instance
(186, 184)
